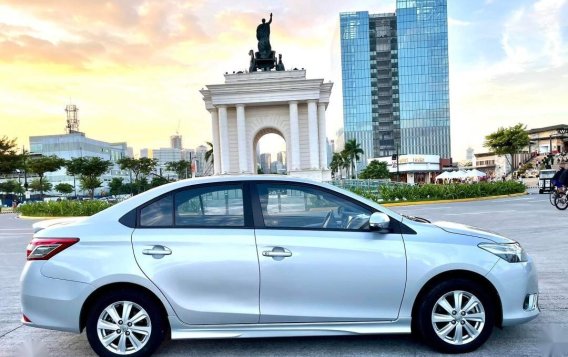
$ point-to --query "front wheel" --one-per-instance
(125, 323)
(456, 316)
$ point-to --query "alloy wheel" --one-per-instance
(124, 327)
(458, 317)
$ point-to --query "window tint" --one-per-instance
(295, 206)
(158, 214)
(217, 206)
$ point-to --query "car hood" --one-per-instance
(466, 230)
(38, 226)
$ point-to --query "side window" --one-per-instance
(298, 206)
(217, 206)
(158, 213)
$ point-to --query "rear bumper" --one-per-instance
(515, 283)
(51, 303)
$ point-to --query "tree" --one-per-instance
(89, 169)
(375, 170)
(64, 188)
(337, 164)
(11, 186)
(352, 151)
(209, 153)
(139, 167)
(158, 181)
(9, 158)
(508, 142)
(39, 185)
(116, 186)
(182, 168)
(43, 164)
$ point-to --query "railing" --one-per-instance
(368, 185)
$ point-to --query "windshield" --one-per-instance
(547, 173)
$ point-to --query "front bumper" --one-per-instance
(51, 303)
(517, 286)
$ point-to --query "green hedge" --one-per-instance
(62, 208)
(392, 193)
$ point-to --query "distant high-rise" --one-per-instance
(395, 79)
(176, 142)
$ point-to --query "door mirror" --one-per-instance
(379, 221)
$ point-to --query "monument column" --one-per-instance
(294, 158)
(216, 147)
(313, 134)
(241, 137)
(224, 139)
(322, 136)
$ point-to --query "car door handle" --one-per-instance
(276, 254)
(157, 250)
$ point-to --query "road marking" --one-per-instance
(483, 212)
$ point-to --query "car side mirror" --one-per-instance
(379, 221)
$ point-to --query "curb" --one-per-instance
(418, 203)
(44, 218)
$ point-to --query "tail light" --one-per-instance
(45, 248)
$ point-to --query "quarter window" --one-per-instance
(218, 206)
(158, 213)
(296, 206)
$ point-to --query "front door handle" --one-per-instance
(277, 252)
(157, 251)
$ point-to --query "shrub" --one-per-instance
(444, 192)
(62, 208)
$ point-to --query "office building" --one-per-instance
(176, 142)
(74, 145)
(395, 79)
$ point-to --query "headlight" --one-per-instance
(511, 252)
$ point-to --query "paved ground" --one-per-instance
(530, 219)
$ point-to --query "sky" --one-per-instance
(135, 67)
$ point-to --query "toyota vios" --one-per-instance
(252, 256)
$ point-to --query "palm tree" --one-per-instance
(337, 164)
(209, 153)
(352, 150)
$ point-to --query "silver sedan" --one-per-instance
(261, 256)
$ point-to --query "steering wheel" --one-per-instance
(327, 219)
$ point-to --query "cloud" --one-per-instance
(455, 22)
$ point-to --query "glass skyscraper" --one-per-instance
(395, 79)
(423, 77)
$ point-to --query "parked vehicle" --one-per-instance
(544, 184)
(267, 256)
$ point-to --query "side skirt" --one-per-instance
(287, 329)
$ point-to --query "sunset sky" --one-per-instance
(135, 67)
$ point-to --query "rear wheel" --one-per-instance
(561, 201)
(125, 323)
(456, 316)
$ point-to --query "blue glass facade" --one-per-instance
(356, 79)
(395, 79)
(422, 27)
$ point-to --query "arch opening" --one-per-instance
(270, 152)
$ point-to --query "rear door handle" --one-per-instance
(157, 250)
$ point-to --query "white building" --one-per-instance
(75, 145)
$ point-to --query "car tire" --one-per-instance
(139, 330)
(540, 192)
(449, 326)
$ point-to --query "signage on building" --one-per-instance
(563, 131)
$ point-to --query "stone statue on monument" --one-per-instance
(263, 37)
